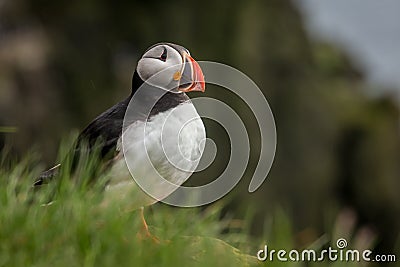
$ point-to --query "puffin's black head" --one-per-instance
(170, 66)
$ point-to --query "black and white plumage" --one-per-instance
(174, 110)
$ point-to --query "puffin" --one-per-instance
(155, 131)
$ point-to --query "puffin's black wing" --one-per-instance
(107, 127)
(103, 132)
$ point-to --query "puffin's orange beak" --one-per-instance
(192, 76)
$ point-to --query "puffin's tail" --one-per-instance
(47, 176)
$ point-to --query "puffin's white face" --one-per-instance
(175, 70)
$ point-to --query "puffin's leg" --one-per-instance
(144, 223)
(145, 228)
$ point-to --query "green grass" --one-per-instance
(74, 230)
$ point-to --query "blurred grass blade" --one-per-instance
(8, 129)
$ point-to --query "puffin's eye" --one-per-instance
(163, 56)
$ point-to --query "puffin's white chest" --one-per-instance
(169, 144)
(172, 141)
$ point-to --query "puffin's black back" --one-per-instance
(106, 129)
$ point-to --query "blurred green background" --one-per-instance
(64, 62)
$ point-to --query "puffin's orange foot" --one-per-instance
(144, 233)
